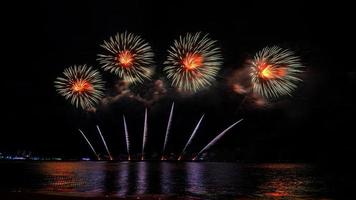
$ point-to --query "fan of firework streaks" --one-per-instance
(193, 62)
(274, 72)
(81, 85)
(128, 56)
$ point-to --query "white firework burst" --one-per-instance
(128, 56)
(193, 62)
(274, 72)
(81, 85)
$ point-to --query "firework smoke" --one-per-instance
(191, 138)
(127, 138)
(144, 135)
(240, 82)
(274, 72)
(128, 56)
(193, 62)
(91, 146)
(167, 131)
(121, 90)
(102, 138)
(81, 85)
(217, 138)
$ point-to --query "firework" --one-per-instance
(217, 138)
(127, 138)
(144, 135)
(167, 130)
(91, 146)
(193, 62)
(81, 85)
(274, 72)
(128, 56)
(102, 138)
(191, 138)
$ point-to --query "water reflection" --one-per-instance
(286, 181)
(166, 178)
(195, 173)
(123, 179)
(205, 180)
(141, 180)
(110, 178)
(71, 177)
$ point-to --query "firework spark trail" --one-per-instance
(191, 137)
(81, 85)
(216, 139)
(127, 138)
(167, 130)
(102, 138)
(144, 135)
(91, 146)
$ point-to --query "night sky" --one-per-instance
(314, 125)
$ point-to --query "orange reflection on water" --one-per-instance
(279, 189)
(60, 176)
(284, 182)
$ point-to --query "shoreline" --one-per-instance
(72, 196)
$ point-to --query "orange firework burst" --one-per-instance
(128, 56)
(274, 72)
(81, 85)
(193, 62)
(267, 71)
(125, 58)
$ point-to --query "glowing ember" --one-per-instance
(271, 72)
(192, 61)
(266, 73)
(81, 86)
(125, 58)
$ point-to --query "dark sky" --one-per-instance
(316, 124)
